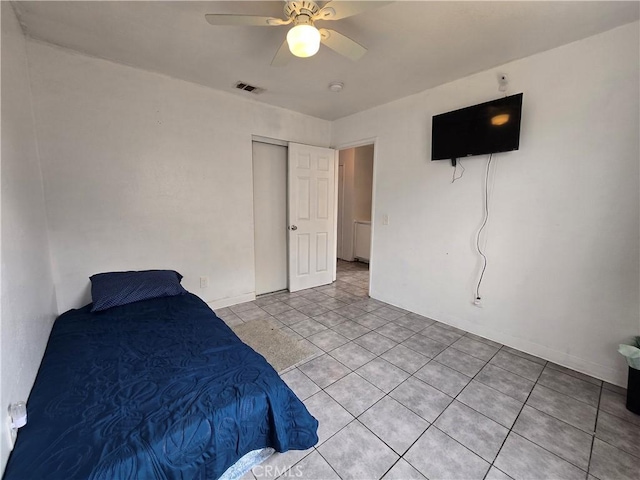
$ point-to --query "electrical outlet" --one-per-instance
(385, 219)
(204, 282)
(478, 302)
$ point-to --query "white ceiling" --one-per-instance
(413, 45)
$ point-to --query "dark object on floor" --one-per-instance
(633, 391)
(160, 388)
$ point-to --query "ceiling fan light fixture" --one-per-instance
(303, 40)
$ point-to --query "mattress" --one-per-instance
(157, 389)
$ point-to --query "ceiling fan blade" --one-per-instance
(337, 10)
(341, 44)
(282, 55)
(244, 20)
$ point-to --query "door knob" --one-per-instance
(293, 227)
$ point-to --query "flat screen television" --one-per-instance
(489, 127)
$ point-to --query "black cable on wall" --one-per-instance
(484, 223)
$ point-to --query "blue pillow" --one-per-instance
(113, 289)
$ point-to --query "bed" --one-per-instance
(156, 389)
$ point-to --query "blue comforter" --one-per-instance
(156, 389)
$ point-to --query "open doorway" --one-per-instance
(355, 194)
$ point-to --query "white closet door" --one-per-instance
(270, 216)
(312, 216)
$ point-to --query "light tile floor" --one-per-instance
(400, 396)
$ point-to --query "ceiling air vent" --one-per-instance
(249, 88)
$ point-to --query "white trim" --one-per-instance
(358, 143)
(374, 182)
(270, 141)
(227, 302)
(336, 159)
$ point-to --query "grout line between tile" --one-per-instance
(516, 419)
(321, 352)
(593, 435)
(328, 462)
(563, 421)
(542, 446)
(576, 399)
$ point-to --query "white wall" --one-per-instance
(28, 297)
(562, 240)
(146, 171)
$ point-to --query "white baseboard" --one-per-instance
(227, 302)
(613, 375)
(601, 372)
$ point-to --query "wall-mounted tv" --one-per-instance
(489, 127)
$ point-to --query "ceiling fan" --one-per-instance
(303, 40)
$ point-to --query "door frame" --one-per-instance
(263, 161)
(280, 143)
(361, 143)
(339, 213)
(285, 143)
